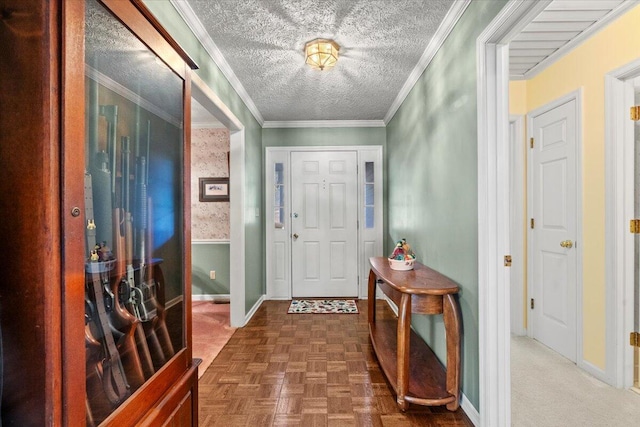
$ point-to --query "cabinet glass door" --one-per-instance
(133, 213)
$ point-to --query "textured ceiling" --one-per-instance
(381, 43)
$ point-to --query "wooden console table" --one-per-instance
(411, 367)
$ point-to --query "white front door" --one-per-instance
(553, 210)
(324, 203)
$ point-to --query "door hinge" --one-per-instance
(533, 303)
(533, 223)
(634, 339)
(531, 143)
(635, 113)
(634, 226)
(507, 260)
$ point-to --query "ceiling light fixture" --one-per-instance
(321, 53)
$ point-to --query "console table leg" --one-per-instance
(371, 295)
(402, 404)
(451, 313)
(404, 335)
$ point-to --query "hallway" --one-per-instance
(306, 369)
(549, 390)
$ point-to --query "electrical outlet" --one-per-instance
(212, 275)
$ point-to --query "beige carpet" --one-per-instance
(211, 331)
(549, 390)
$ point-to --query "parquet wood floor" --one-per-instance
(306, 370)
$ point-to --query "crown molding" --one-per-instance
(441, 34)
(324, 124)
(192, 21)
(121, 90)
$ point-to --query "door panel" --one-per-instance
(337, 206)
(280, 261)
(554, 210)
(554, 293)
(311, 261)
(324, 217)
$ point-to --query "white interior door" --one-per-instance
(554, 212)
(324, 200)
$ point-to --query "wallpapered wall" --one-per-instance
(209, 147)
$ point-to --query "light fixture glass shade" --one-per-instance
(321, 53)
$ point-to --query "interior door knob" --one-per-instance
(295, 235)
(566, 244)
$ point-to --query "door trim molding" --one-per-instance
(364, 153)
(577, 97)
(517, 221)
(619, 243)
(210, 101)
(492, 56)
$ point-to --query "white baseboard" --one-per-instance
(253, 310)
(392, 305)
(470, 410)
(210, 297)
(596, 372)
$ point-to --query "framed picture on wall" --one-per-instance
(214, 189)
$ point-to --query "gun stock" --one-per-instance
(114, 380)
(160, 324)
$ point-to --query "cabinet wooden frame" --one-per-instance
(176, 377)
(42, 294)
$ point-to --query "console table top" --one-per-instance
(422, 280)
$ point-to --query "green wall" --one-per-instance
(211, 74)
(431, 169)
(207, 257)
(432, 180)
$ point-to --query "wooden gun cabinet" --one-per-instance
(95, 301)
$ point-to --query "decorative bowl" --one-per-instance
(402, 265)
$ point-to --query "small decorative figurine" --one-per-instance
(402, 257)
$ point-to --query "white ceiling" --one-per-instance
(385, 47)
(558, 29)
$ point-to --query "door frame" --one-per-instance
(619, 243)
(517, 221)
(368, 245)
(577, 97)
(492, 82)
(492, 55)
(211, 102)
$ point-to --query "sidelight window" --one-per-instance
(369, 201)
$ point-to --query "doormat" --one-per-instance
(323, 306)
